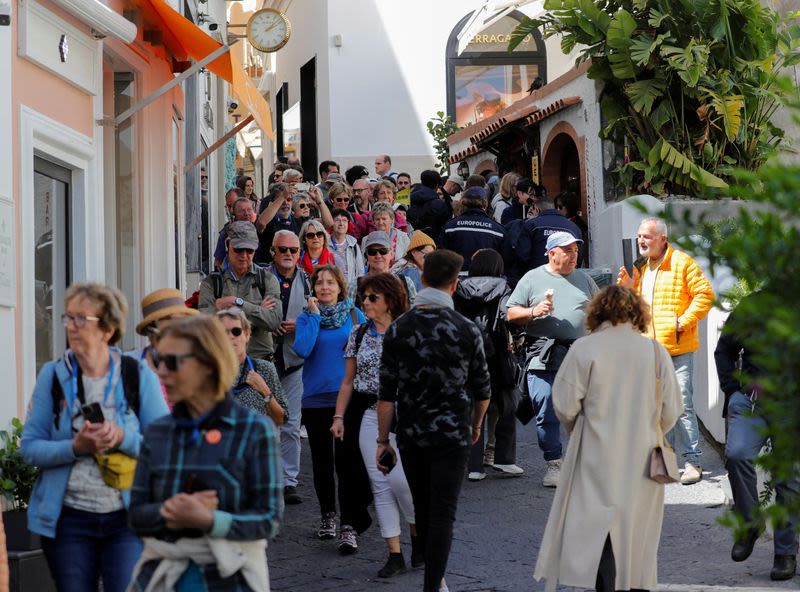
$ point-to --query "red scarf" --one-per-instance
(325, 258)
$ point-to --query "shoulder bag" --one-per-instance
(663, 462)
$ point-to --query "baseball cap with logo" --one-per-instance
(560, 239)
(243, 235)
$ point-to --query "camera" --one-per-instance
(232, 106)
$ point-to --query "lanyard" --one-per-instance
(74, 378)
(241, 387)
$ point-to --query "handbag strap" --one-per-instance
(661, 436)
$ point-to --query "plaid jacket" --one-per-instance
(233, 451)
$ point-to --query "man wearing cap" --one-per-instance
(378, 253)
(472, 230)
(245, 285)
(294, 290)
(550, 301)
(242, 209)
(679, 296)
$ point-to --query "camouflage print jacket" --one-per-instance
(434, 367)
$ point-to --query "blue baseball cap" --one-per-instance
(560, 239)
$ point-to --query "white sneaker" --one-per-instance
(691, 474)
(303, 432)
(552, 473)
(443, 586)
(509, 469)
(476, 476)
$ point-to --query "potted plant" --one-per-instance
(16, 482)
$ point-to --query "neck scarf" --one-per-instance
(325, 258)
(433, 297)
(335, 316)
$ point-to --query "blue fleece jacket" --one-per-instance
(323, 350)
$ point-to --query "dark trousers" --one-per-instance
(505, 440)
(607, 571)
(435, 476)
(342, 457)
(88, 547)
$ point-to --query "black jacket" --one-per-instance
(726, 356)
(428, 212)
(471, 231)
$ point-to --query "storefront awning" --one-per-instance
(185, 41)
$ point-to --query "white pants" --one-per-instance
(391, 492)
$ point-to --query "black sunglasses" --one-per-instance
(372, 297)
(341, 199)
(243, 250)
(236, 331)
(302, 205)
(381, 251)
(292, 250)
(319, 234)
(171, 361)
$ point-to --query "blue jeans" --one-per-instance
(685, 436)
(747, 434)
(548, 428)
(290, 431)
(88, 546)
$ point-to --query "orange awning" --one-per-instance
(186, 40)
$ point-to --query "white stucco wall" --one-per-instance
(376, 92)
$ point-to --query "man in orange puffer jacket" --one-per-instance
(679, 296)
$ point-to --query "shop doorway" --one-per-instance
(561, 168)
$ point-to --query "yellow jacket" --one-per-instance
(682, 294)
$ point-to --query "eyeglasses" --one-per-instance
(171, 361)
(284, 250)
(372, 297)
(380, 251)
(78, 320)
(341, 199)
(302, 205)
(319, 234)
(235, 331)
(360, 190)
(239, 251)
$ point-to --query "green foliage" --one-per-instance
(681, 85)
(16, 476)
(440, 128)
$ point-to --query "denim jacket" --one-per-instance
(50, 448)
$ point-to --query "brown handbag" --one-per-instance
(663, 462)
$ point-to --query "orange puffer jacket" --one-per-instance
(682, 294)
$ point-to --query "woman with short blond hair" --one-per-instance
(606, 395)
(208, 484)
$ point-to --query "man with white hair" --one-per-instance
(550, 301)
(679, 296)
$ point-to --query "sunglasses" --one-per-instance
(341, 199)
(284, 250)
(319, 234)
(302, 206)
(381, 251)
(171, 361)
(236, 331)
(372, 297)
(243, 250)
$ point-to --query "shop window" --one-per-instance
(485, 78)
(51, 185)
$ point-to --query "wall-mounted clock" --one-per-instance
(268, 30)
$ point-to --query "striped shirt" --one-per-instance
(233, 451)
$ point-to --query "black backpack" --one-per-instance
(129, 374)
(261, 281)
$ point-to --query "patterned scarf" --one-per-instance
(325, 258)
(335, 316)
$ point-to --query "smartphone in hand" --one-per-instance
(387, 460)
(93, 412)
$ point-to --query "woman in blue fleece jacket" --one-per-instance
(320, 337)
(83, 521)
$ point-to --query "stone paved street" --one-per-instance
(498, 530)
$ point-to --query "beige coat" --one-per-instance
(604, 394)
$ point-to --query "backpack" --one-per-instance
(261, 281)
(129, 374)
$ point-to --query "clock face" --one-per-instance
(268, 30)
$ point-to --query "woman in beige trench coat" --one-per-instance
(606, 506)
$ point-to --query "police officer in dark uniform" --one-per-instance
(474, 229)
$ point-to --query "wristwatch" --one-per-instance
(238, 302)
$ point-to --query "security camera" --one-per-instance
(204, 19)
(232, 106)
(213, 26)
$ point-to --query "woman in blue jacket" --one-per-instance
(86, 403)
(321, 335)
